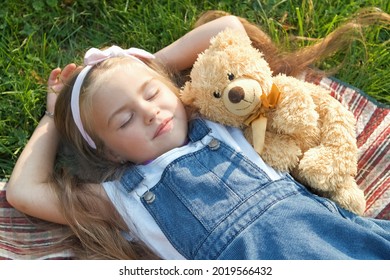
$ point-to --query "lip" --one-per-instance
(164, 127)
(246, 102)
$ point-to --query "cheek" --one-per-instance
(133, 140)
(177, 105)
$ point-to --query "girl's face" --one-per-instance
(137, 115)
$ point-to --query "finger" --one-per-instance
(53, 76)
(68, 71)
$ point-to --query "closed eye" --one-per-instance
(126, 122)
(152, 95)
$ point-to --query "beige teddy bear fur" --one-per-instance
(295, 126)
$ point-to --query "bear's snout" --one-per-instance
(241, 96)
(236, 94)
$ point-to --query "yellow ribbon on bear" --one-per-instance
(258, 121)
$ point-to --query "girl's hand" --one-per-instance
(55, 84)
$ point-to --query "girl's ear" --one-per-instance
(114, 157)
(186, 94)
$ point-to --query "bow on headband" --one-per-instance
(94, 56)
(91, 58)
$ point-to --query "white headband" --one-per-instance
(91, 58)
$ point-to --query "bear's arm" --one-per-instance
(296, 110)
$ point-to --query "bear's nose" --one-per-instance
(236, 94)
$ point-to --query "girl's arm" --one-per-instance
(182, 53)
(28, 189)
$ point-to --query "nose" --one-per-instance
(236, 94)
(150, 113)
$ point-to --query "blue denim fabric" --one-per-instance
(216, 204)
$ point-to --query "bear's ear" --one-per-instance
(186, 96)
(228, 38)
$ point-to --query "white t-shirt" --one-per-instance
(138, 219)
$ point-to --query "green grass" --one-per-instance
(39, 35)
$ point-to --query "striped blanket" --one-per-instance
(22, 237)
(373, 140)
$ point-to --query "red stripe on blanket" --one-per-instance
(369, 159)
(385, 213)
(357, 104)
(375, 120)
(334, 86)
(377, 190)
(3, 201)
(377, 187)
(336, 91)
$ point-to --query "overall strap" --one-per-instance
(197, 130)
(131, 178)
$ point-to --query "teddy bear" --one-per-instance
(295, 126)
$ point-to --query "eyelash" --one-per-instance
(155, 93)
(127, 122)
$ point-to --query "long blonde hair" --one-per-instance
(96, 224)
(294, 62)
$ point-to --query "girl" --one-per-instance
(147, 180)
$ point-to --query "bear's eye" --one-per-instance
(217, 94)
(230, 76)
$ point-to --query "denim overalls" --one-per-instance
(214, 203)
